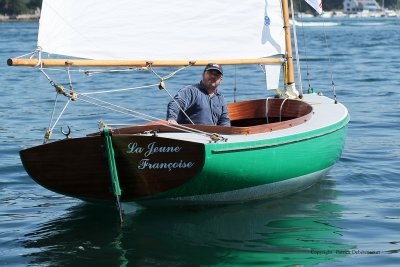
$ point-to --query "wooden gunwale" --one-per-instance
(241, 113)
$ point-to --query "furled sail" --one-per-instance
(162, 30)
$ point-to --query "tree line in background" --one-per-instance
(16, 7)
(328, 5)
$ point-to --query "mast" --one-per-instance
(288, 42)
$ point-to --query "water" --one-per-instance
(350, 218)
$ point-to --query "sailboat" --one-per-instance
(275, 146)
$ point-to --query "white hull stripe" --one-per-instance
(272, 190)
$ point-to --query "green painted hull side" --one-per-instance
(233, 166)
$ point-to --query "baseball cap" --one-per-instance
(214, 66)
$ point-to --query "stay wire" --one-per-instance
(142, 116)
(296, 50)
(129, 112)
(51, 124)
(162, 86)
(31, 54)
(329, 61)
(69, 78)
(179, 106)
(61, 113)
(139, 115)
(154, 119)
(305, 48)
(118, 90)
(53, 112)
(234, 88)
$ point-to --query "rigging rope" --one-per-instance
(179, 106)
(73, 95)
(149, 117)
(48, 132)
(113, 169)
(118, 90)
(51, 128)
(234, 88)
(305, 50)
(310, 89)
(329, 62)
(92, 72)
(59, 90)
(69, 78)
(297, 51)
(162, 86)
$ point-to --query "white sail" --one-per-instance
(162, 30)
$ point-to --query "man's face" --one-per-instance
(211, 79)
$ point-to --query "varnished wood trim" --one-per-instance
(254, 109)
(32, 62)
(146, 166)
(298, 111)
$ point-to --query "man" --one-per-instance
(202, 102)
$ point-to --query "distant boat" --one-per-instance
(275, 146)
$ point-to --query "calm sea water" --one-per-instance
(350, 218)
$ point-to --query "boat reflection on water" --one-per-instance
(299, 230)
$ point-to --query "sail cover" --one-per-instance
(162, 30)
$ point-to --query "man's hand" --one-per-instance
(172, 122)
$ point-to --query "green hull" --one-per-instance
(275, 167)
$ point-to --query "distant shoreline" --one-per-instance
(327, 14)
(22, 17)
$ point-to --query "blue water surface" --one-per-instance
(350, 218)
